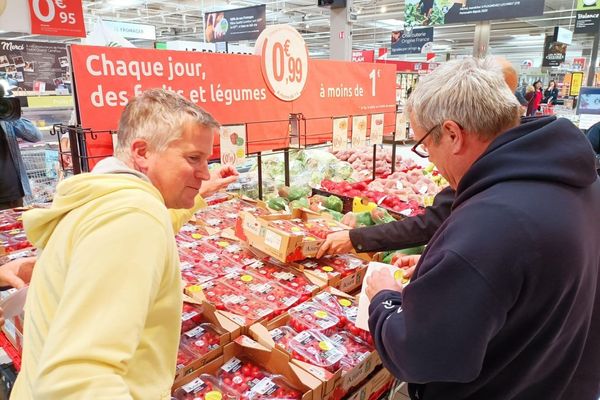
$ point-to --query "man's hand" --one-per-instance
(381, 280)
(17, 273)
(336, 243)
(219, 180)
(407, 264)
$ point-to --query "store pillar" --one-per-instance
(340, 39)
(481, 43)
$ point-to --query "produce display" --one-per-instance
(191, 316)
(357, 350)
(288, 277)
(361, 160)
(205, 387)
(228, 298)
(201, 339)
(316, 348)
(312, 316)
(333, 266)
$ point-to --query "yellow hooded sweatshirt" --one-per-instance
(103, 311)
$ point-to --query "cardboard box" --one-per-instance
(376, 384)
(223, 216)
(340, 380)
(272, 360)
(230, 331)
(263, 233)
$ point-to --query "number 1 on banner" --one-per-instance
(340, 133)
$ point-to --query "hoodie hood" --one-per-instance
(109, 176)
(541, 149)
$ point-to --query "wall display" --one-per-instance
(57, 17)
(228, 86)
(25, 63)
(554, 53)
(233, 25)
(412, 41)
(440, 12)
(233, 144)
(359, 131)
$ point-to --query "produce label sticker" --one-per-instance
(233, 144)
(194, 386)
(273, 239)
(359, 131)
(377, 128)
(340, 133)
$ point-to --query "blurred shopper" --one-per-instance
(534, 98)
(551, 93)
(103, 311)
(505, 301)
(593, 135)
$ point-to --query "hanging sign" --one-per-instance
(284, 62)
(400, 126)
(233, 144)
(576, 82)
(235, 25)
(359, 131)
(57, 17)
(340, 133)
(377, 128)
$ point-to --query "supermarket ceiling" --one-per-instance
(518, 39)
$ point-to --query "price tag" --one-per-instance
(400, 127)
(233, 144)
(377, 128)
(284, 61)
(340, 133)
(359, 131)
(57, 17)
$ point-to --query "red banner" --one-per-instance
(57, 17)
(230, 87)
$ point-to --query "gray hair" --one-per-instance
(158, 116)
(470, 92)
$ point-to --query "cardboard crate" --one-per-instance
(230, 332)
(272, 360)
(339, 381)
(375, 385)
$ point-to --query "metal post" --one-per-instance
(394, 152)
(74, 143)
(374, 160)
(286, 163)
(594, 58)
(260, 178)
(481, 42)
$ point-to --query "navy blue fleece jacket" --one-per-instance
(505, 302)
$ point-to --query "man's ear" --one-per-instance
(140, 154)
(456, 136)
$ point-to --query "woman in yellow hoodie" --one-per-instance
(102, 318)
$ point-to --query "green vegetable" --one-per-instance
(413, 250)
(334, 203)
(387, 256)
(337, 216)
(277, 203)
(381, 216)
(297, 192)
(364, 219)
(300, 203)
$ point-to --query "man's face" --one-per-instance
(178, 171)
(438, 152)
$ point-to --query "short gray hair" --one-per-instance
(158, 116)
(471, 92)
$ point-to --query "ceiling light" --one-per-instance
(383, 9)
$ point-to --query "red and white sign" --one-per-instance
(231, 88)
(359, 131)
(284, 61)
(57, 17)
(363, 55)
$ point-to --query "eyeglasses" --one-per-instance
(420, 148)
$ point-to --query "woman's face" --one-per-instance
(538, 85)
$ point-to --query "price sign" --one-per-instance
(359, 131)
(340, 133)
(57, 17)
(284, 61)
(400, 126)
(233, 144)
(377, 129)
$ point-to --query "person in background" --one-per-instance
(551, 93)
(485, 316)
(534, 98)
(14, 183)
(103, 310)
(593, 135)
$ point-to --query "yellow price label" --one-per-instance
(223, 244)
(194, 289)
(324, 346)
(327, 268)
(345, 302)
(196, 236)
(214, 395)
(246, 278)
(321, 314)
(310, 238)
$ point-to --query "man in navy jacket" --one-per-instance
(505, 301)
